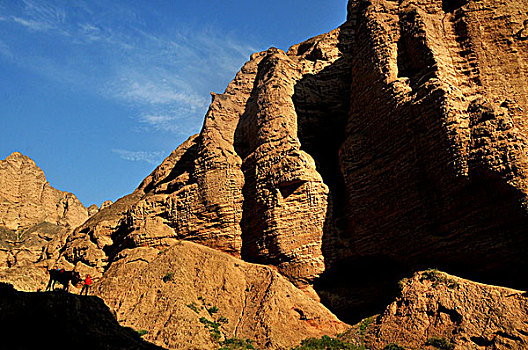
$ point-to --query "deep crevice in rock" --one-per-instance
(450, 6)
(415, 59)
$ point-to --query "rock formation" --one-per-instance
(434, 155)
(175, 293)
(391, 144)
(32, 213)
(243, 185)
(26, 198)
(435, 307)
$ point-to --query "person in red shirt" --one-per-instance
(87, 283)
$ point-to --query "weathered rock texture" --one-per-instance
(466, 314)
(26, 198)
(393, 143)
(243, 185)
(434, 158)
(168, 292)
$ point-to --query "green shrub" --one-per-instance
(212, 309)
(325, 343)
(213, 327)
(440, 343)
(236, 344)
(438, 277)
(393, 346)
(365, 323)
(223, 319)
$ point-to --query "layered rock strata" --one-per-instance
(434, 157)
(243, 185)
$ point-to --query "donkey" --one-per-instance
(63, 277)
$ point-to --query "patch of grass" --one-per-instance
(438, 277)
(326, 343)
(213, 309)
(236, 344)
(193, 307)
(168, 277)
(393, 346)
(440, 343)
(142, 332)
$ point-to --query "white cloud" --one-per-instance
(156, 91)
(140, 156)
(40, 17)
(33, 24)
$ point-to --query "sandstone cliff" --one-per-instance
(434, 153)
(393, 143)
(437, 308)
(243, 185)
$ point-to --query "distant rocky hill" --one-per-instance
(27, 198)
(32, 212)
(391, 144)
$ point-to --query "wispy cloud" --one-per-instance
(40, 17)
(153, 158)
(32, 24)
(165, 77)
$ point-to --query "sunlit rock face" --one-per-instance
(26, 197)
(32, 212)
(393, 143)
(449, 312)
(245, 185)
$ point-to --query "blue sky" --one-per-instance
(98, 93)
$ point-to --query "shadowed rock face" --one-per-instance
(433, 304)
(62, 321)
(434, 157)
(393, 143)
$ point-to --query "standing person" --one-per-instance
(87, 283)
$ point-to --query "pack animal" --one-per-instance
(63, 277)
